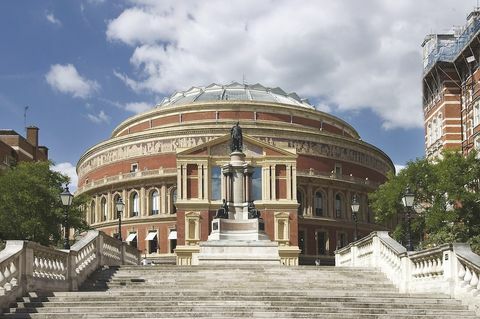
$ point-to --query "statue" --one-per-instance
(222, 212)
(253, 212)
(236, 144)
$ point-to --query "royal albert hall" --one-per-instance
(166, 166)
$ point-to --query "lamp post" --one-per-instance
(67, 199)
(120, 205)
(355, 208)
(408, 199)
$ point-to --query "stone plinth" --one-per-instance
(239, 252)
(230, 229)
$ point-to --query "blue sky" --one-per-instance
(82, 67)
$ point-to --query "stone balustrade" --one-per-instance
(332, 175)
(452, 269)
(28, 266)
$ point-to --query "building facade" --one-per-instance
(451, 103)
(166, 166)
(15, 148)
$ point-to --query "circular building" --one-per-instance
(166, 166)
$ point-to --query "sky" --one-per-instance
(82, 67)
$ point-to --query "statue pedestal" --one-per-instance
(238, 252)
(228, 229)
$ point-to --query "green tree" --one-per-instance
(447, 200)
(30, 205)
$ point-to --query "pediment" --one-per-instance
(252, 147)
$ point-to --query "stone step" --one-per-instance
(246, 314)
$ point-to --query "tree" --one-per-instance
(30, 206)
(447, 199)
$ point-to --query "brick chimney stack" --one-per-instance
(32, 135)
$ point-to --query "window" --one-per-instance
(318, 204)
(300, 202)
(134, 204)
(114, 204)
(92, 213)
(476, 114)
(257, 183)
(154, 199)
(342, 240)
(134, 167)
(338, 170)
(435, 130)
(321, 243)
(174, 201)
(338, 206)
(216, 183)
(104, 209)
(152, 242)
(301, 242)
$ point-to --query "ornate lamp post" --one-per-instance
(67, 199)
(408, 199)
(355, 208)
(120, 205)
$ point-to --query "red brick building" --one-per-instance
(451, 89)
(166, 166)
(15, 148)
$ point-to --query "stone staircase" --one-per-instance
(168, 291)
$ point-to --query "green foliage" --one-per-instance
(30, 205)
(447, 200)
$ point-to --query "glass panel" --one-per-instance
(257, 183)
(216, 182)
(321, 243)
(318, 204)
(154, 202)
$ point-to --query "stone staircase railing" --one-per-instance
(452, 269)
(28, 266)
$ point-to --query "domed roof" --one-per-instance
(235, 92)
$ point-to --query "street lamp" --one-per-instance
(408, 199)
(120, 205)
(355, 208)
(67, 199)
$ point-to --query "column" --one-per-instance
(309, 200)
(223, 186)
(184, 182)
(330, 203)
(110, 207)
(206, 183)
(179, 183)
(274, 182)
(98, 214)
(163, 199)
(288, 182)
(200, 180)
(348, 207)
(294, 182)
(143, 202)
(248, 182)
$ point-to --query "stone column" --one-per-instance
(179, 182)
(206, 183)
(143, 206)
(309, 200)
(200, 181)
(294, 182)
(163, 199)
(289, 182)
(126, 201)
(110, 207)
(274, 182)
(184, 182)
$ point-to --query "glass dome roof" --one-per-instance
(235, 92)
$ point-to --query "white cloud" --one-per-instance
(65, 79)
(398, 168)
(351, 55)
(51, 18)
(138, 107)
(69, 170)
(101, 117)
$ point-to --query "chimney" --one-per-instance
(32, 135)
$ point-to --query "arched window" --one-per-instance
(114, 205)
(92, 212)
(103, 205)
(318, 203)
(338, 206)
(154, 202)
(134, 204)
(174, 201)
(435, 130)
(440, 124)
(300, 201)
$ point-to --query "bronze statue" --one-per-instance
(222, 212)
(236, 144)
(253, 212)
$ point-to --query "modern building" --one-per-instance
(166, 166)
(15, 148)
(451, 103)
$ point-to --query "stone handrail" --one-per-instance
(452, 269)
(28, 266)
(154, 173)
